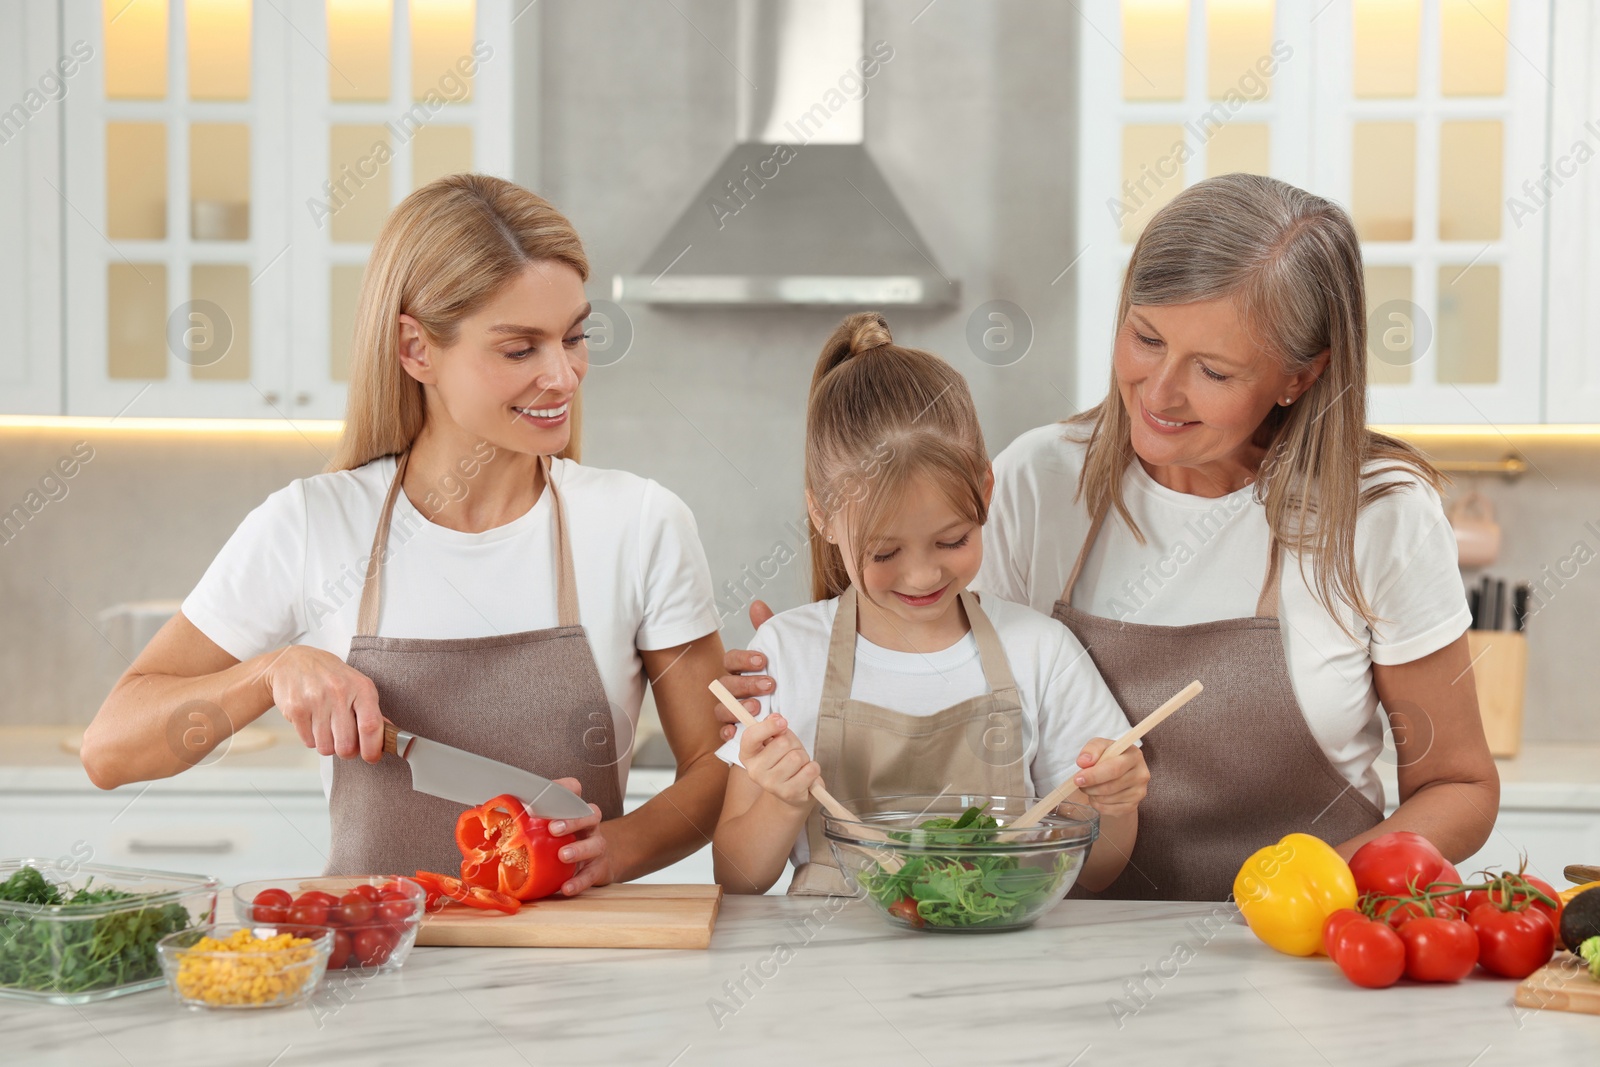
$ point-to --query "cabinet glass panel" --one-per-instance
(1392, 337)
(1383, 180)
(358, 49)
(1238, 46)
(136, 48)
(216, 336)
(219, 49)
(441, 49)
(1469, 180)
(1152, 173)
(1155, 42)
(1472, 47)
(440, 150)
(136, 181)
(136, 321)
(358, 167)
(1388, 38)
(1469, 324)
(344, 288)
(219, 181)
(1238, 146)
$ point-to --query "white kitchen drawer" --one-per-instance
(234, 836)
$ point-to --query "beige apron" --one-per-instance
(1234, 771)
(975, 746)
(532, 699)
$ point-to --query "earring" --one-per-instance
(1286, 401)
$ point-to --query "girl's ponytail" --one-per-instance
(858, 333)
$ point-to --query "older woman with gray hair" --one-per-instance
(1225, 514)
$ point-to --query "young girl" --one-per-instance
(456, 572)
(896, 679)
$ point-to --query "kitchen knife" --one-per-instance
(470, 779)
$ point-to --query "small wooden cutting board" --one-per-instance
(1563, 984)
(630, 915)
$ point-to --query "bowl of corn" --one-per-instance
(255, 965)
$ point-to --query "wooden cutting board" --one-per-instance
(631, 915)
(1563, 984)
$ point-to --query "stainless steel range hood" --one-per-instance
(797, 213)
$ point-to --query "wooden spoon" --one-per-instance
(1066, 789)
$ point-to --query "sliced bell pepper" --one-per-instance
(443, 887)
(506, 849)
(1287, 891)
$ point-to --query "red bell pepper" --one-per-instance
(506, 849)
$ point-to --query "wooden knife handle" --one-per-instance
(391, 738)
(1579, 873)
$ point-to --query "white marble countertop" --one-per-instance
(845, 988)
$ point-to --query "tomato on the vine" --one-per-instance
(1439, 950)
(1516, 892)
(1369, 953)
(1396, 863)
(1512, 944)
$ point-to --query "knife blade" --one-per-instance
(445, 771)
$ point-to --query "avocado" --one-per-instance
(1580, 919)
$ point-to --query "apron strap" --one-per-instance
(372, 587)
(841, 669)
(1266, 604)
(991, 655)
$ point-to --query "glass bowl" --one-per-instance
(972, 879)
(374, 942)
(247, 977)
(103, 946)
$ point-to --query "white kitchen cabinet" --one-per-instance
(35, 71)
(1422, 118)
(238, 835)
(228, 167)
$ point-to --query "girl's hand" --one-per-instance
(589, 851)
(738, 661)
(776, 761)
(330, 704)
(1116, 785)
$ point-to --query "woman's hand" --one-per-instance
(1114, 786)
(738, 661)
(776, 761)
(589, 851)
(330, 704)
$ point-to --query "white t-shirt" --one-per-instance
(292, 574)
(1064, 701)
(1204, 559)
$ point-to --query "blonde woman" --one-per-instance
(456, 571)
(1225, 514)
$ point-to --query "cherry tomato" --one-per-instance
(314, 914)
(1439, 950)
(354, 909)
(905, 909)
(1369, 953)
(340, 954)
(1512, 944)
(271, 906)
(371, 947)
(371, 892)
(393, 894)
(1398, 913)
(396, 912)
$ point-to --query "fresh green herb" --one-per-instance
(48, 954)
(971, 889)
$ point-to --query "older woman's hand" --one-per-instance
(739, 662)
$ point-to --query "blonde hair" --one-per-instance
(442, 254)
(879, 417)
(1292, 263)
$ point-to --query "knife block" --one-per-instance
(1500, 669)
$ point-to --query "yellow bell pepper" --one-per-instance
(1286, 891)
